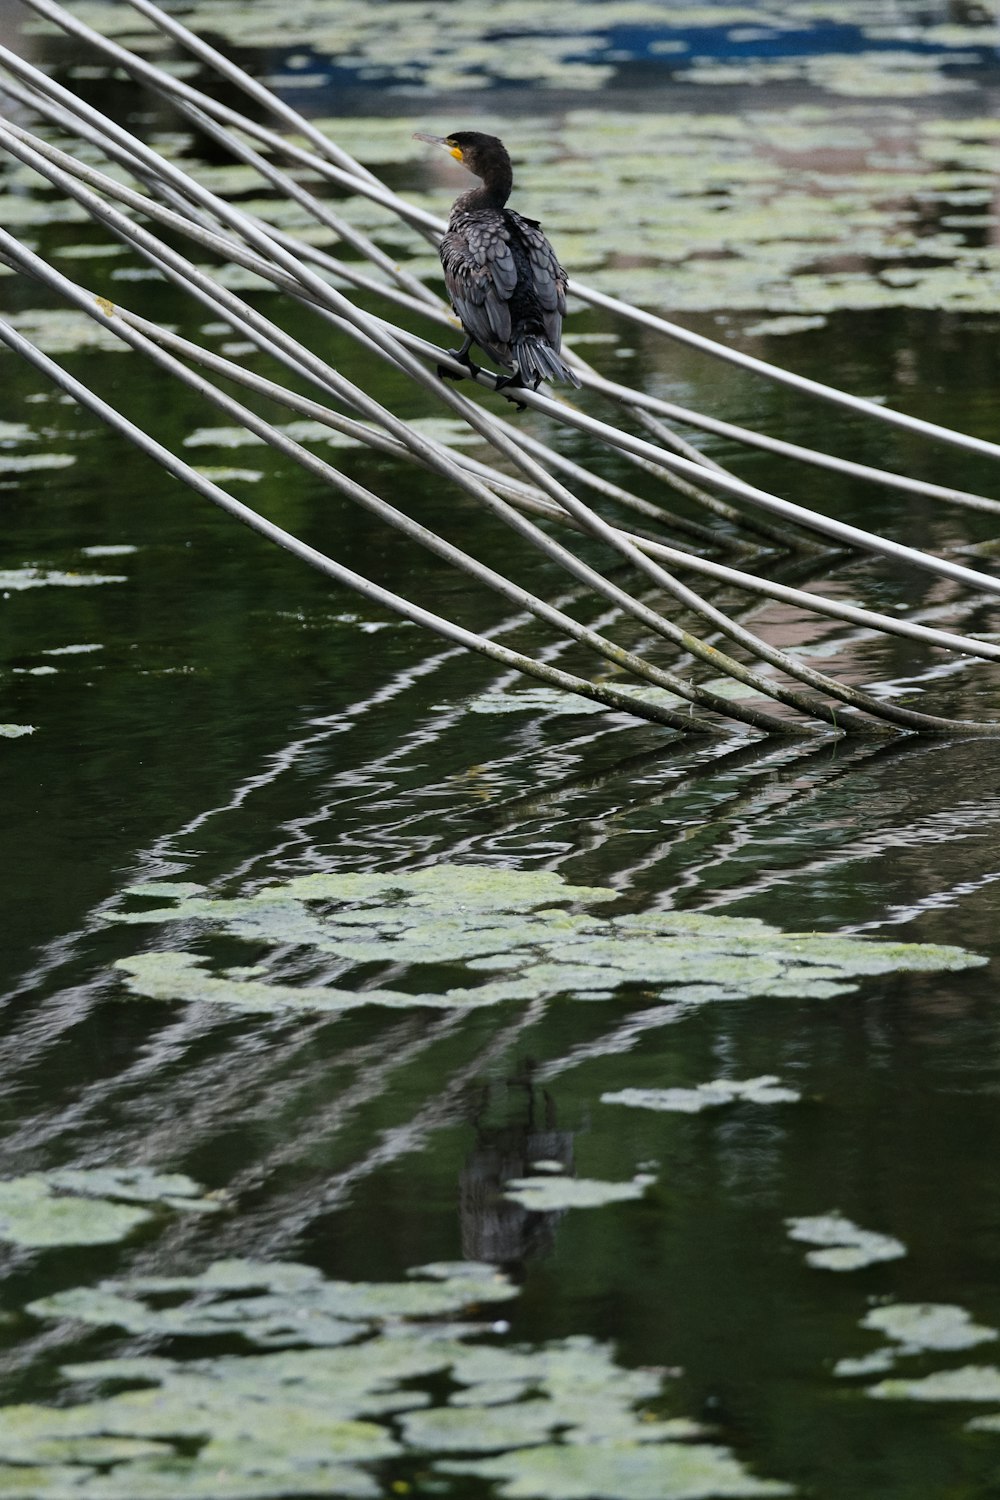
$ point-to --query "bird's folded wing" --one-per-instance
(480, 275)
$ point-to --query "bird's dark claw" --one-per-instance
(462, 355)
(516, 382)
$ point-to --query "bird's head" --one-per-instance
(481, 154)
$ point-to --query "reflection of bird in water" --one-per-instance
(501, 272)
(515, 1124)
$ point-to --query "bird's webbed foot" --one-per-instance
(516, 382)
(462, 355)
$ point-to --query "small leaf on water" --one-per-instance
(90, 1206)
(847, 1246)
(927, 1325)
(763, 1090)
(549, 1193)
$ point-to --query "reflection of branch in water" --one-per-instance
(214, 1093)
(742, 818)
(941, 826)
(556, 798)
(201, 1103)
(165, 859)
(621, 1038)
(173, 1098)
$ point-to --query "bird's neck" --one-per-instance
(493, 193)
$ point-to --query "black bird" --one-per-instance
(501, 272)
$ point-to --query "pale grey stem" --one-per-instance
(752, 439)
(513, 593)
(346, 270)
(158, 80)
(394, 351)
(184, 94)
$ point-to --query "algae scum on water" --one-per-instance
(334, 1394)
(460, 936)
(92, 1205)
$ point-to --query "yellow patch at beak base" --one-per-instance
(456, 152)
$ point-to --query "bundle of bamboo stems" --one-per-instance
(530, 482)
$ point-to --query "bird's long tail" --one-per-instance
(537, 360)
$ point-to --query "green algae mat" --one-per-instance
(515, 935)
(344, 1393)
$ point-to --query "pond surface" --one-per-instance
(331, 955)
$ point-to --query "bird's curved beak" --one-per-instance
(439, 140)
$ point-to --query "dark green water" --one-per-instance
(240, 723)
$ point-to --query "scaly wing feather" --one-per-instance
(547, 274)
(480, 274)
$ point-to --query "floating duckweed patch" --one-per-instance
(23, 212)
(552, 1193)
(458, 48)
(223, 474)
(15, 580)
(764, 1090)
(222, 437)
(63, 331)
(313, 1414)
(16, 432)
(26, 463)
(275, 1306)
(863, 75)
(875, 1363)
(781, 327)
(89, 1206)
(106, 18)
(620, 1471)
(756, 211)
(927, 1325)
(915, 1328)
(136, 1185)
(447, 430)
(512, 934)
(846, 1247)
(970, 1383)
(93, 251)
